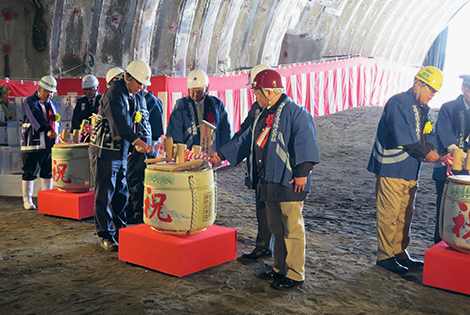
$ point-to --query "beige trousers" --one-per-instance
(395, 207)
(286, 223)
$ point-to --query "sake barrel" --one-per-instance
(454, 219)
(179, 202)
(71, 169)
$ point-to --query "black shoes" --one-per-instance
(268, 275)
(280, 282)
(137, 218)
(285, 283)
(391, 264)
(109, 245)
(410, 263)
(257, 253)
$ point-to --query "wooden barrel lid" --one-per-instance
(72, 145)
(461, 179)
(173, 167)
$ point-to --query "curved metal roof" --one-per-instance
(225, 35)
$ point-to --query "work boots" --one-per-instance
(46, 183)
(28, 190)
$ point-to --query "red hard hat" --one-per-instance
(268, 78)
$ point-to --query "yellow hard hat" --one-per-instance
(432, 76)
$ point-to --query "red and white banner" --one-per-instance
(322, 88)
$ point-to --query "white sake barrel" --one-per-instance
(179, 202)
(454, 219)
(71, 169)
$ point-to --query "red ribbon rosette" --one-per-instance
(263, 137)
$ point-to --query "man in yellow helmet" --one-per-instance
(402, 143)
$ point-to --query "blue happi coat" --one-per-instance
(401, 124)
(142, 128)
(155, 109)
(452, 127)
(34, 131)
(292, 141)
(182, 126)
(114, 128)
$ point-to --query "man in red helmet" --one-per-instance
(281, 149)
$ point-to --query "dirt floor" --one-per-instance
(51, 265)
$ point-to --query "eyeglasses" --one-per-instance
(434, 91)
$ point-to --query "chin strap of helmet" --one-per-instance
(269, 99)
(129, 79)
(418, 87)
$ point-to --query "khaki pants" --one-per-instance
(286, 223)
(395, 207)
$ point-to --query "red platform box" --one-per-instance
(177, 255)
(446, 268)
(64, 204)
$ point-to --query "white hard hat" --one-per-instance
(254, 71)
(48, 83)
(140, 71)
(112, 73)
(90, 81)
(197, 79)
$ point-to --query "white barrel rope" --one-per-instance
(195, 198)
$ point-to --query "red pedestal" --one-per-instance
(68, 205)
(177, 255)
(446, 268)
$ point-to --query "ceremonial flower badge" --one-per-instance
(210, 117)
(428, 127)
(269, 120)
(263, 137)
(57, 117)
(137, 117)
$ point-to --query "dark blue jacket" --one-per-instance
(155, 109)
(452, 127)
(182, 126)
(292, 141)
(114, 129)
(35, 127)
(83, 110)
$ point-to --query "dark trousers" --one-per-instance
(111, 194)
(135, 179)
(439, 190)
(37, 162)
(264, 237)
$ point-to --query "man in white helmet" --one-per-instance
(150, 129)
(114, 74)
(39, 131)
(113, 135)
(264, 237)
(190, 111)
(88, 105)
